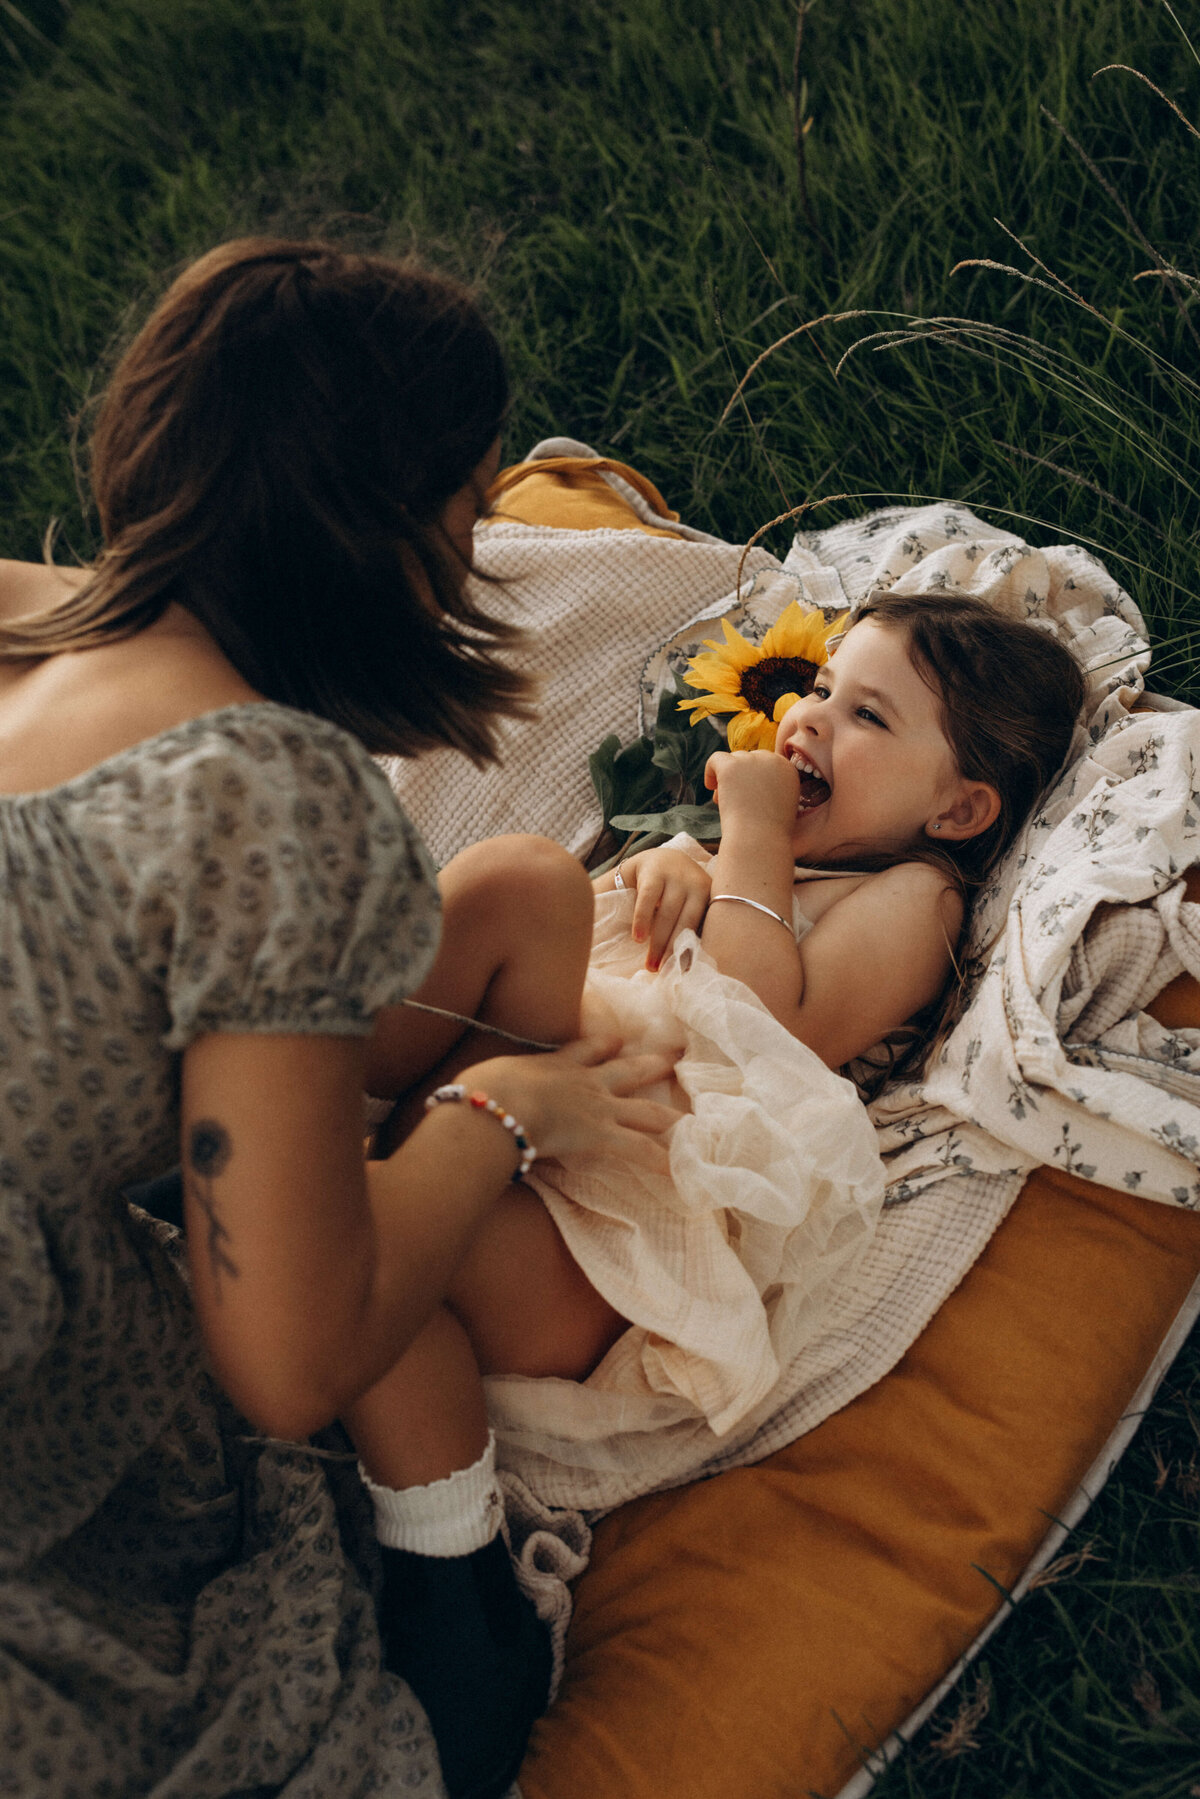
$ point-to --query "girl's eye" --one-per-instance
(821, 692)
(871, 717)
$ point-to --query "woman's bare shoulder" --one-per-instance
(62, 714)
(30, 587)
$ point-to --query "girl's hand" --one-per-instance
(583, 1099)
(671, 896)
(754, 783)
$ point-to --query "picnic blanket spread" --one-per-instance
(1054, 1058)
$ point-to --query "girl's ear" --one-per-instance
(976, 806)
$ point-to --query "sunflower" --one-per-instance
(759, 682)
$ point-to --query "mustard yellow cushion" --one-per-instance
(754, 1636)
(570, 492)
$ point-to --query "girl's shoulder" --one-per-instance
(914, 896)
(905, 890)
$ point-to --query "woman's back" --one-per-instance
(64, 713)
(211, 897)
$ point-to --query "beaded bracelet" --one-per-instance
(482, 1103)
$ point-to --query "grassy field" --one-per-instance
(652, 192)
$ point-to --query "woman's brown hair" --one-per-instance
(273, 454)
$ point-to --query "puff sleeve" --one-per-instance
(271, 879)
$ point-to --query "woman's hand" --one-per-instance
(584, 1099)
(312, 1271)
(754, 784)
(671, 895)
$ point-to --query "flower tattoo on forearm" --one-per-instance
(209, 1150)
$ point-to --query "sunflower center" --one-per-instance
(766, 682)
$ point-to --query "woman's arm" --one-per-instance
(313, 1271)
(872, 961)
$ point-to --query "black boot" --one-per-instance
(473, 1650)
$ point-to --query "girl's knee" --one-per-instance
(532, 873)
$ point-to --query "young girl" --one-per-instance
(607, 1303)
(211, 901)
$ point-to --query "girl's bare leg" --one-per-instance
(517, 927)
(517, 923)
(516, 932)
(519, 1304)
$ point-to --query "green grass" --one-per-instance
(621, 176)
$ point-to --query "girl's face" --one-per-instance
(876, 771)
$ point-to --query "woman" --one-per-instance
(212, 902)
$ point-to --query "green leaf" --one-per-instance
(626, 779)
(682, 749)
(656, 785)
(600, 766)
(703, 822)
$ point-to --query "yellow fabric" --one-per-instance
(570, 492)
(753, 1636)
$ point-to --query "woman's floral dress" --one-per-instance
(183, 1607)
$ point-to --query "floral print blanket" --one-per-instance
(1055, 1059)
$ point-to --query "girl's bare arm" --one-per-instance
(872, 961)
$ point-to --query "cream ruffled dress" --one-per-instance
(725, 1266)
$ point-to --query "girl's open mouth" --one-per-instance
(814, 788)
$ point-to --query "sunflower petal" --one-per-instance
(735, 653)
(783, 704)
(735, 641)
(797, 632)
(751, 731)
(717, 677)
(709, 703)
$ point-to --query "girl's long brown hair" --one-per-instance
(273, 454)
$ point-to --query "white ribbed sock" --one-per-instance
(447, 1517)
